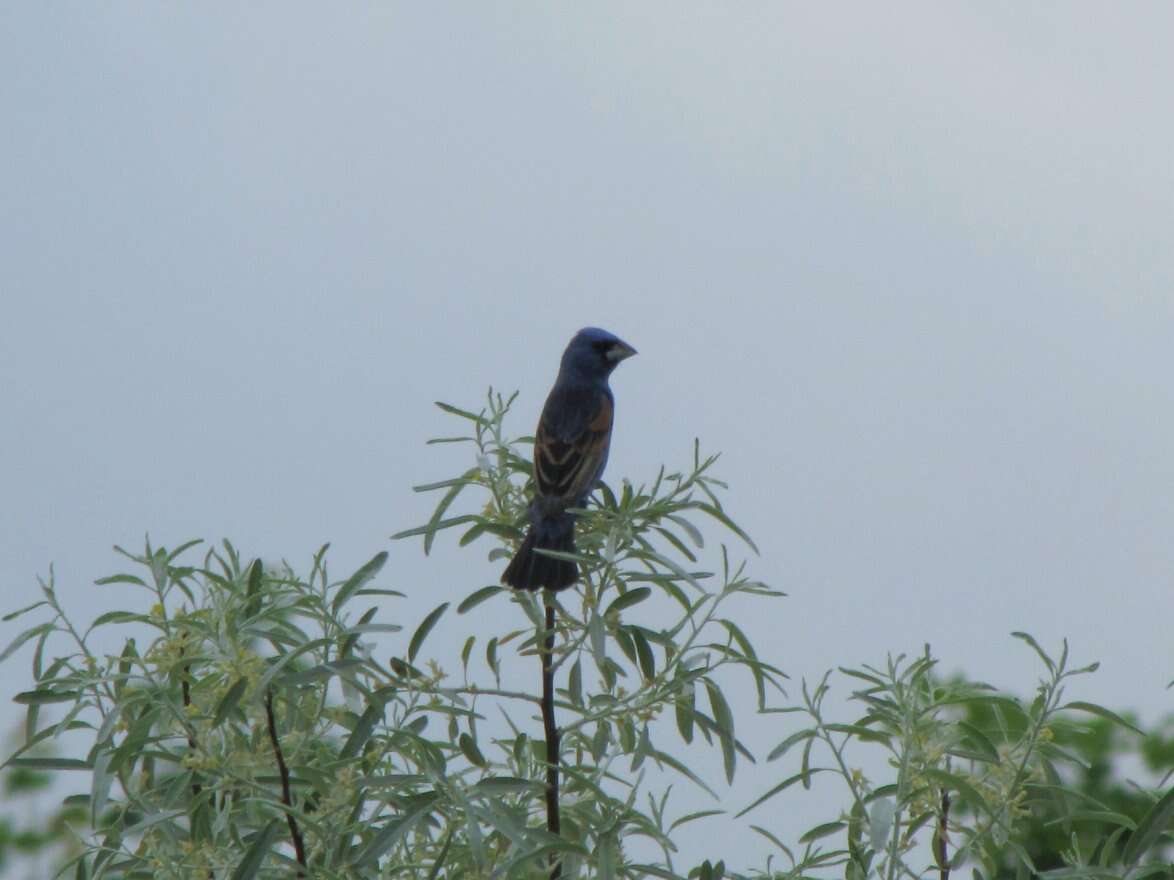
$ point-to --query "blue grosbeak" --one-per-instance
(570, 452)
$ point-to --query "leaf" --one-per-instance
(725, 725)
(691, 530)
(463, 413)
(496, 786)
(253, 590)
(597, 638)
(45, 695)
(394, 830)
(121, 579)
(748, 651)
(880, 822)
(1025, 637)
(51, 763)
(12, 615)
(1152, 826)
(229, 701)
(802, 776)
(359, 579)
(363, 729)
(287, 659)
(860, 731)
(820, 831)
(1100, 712)
(633, 597)
(720, 516)
(491, 655)
(320, 672)
(474, 599)
(122, 617)
(423, 629)
(782, 748)
(644, 654)
(684, 703)
(470, 750)
(100, 787)
(27, 635)
(250, 865)
(575, 683)
(692, 816)
(362, 628)
(430, 529)
(980, 741)
(352, 637)
(961, 785)
(442, 484)
(187, 545)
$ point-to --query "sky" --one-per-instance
(909, 270)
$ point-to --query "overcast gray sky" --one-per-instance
(909, 268)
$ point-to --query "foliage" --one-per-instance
(978, 778)
(1087, 800)
(29, 840)
(260, 722)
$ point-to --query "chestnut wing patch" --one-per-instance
(565, 467)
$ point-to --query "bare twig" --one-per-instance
(186, 690)
(286, 798)
(197, 789)
(553, 823)
(942, 842)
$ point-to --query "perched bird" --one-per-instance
(570, 451)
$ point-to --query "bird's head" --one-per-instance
(595, 353)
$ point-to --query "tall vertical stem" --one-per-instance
(552, 735)
(295, 833)
(942, 839)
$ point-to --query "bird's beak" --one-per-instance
(621, 351)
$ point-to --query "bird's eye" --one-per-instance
(602, 347)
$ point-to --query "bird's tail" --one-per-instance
(533, 571)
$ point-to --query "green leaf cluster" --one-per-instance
(261, 722)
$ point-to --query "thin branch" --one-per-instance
(286, 798)
(186, 690)
(943, 843)
(197, 789)
(553, 823)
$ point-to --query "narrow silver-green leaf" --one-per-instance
(26, 636)
(634, 596)
(820, 831)
(802, 776)
(474, 599)
(12, 615)
(394, 830)
(51, 763)
(359, 579)
(250, 865)
(1102, 712)
(45, 695)
(469, 748)
(229, 701)
(363, 729)
(1035, 646)
(597, 638)
(782, 748)
(575, 683)
(725, 724)
(423, 629)
(1152, 826)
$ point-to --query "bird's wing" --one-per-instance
(571, 445)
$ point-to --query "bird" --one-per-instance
(570, 452)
